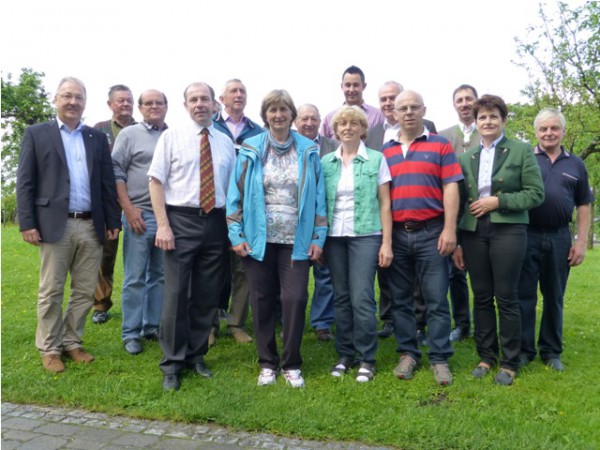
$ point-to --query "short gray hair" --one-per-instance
(549, 113)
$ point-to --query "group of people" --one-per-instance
(220, 207)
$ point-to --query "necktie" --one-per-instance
(207, 177)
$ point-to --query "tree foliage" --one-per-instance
(561, 55)
(23, 103)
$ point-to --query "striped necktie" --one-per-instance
(207, 177)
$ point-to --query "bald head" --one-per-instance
(409, 111)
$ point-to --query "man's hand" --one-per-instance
(458, 258)
(446, 242)
(32, 236)
(135, 221)
(164, 238)
(576, 254)
(113, 234)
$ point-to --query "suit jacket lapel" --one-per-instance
(500, 155)
(56, 140)
(475, 159)
(88, 141)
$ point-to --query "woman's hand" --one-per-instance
(385, 255)
(315, 252)
(484, 206)
(242, 249)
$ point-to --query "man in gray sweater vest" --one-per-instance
(143, 278)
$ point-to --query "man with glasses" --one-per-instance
(425, 200)
(66, 200)
(143, 279)
(120, 102)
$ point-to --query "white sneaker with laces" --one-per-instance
(294, 378)
(267, 377)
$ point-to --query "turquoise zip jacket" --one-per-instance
(246, 217)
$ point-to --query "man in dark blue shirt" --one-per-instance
(550, 252)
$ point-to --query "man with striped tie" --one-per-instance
(188, 183)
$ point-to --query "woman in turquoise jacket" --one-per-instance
(277, 223)
(357, 184)
(502, 182)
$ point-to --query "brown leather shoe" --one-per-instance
(324, 334)
(240, 336)
(53, 363)
(79, 356)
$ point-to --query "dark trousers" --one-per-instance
(545, 262)
(103, 295)
(194, 276)
(494, 256)
(385, 300)
(277, 275)
(459, 297)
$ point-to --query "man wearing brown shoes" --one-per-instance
(66, 198)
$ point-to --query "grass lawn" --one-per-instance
(543, 409)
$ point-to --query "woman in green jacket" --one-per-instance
(359, 238)
(502, 182)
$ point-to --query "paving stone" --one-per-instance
(58, 429)
(19, 423)
(44, 443)
(10, 445)
(135, 439)
(97, 434)
(17, 435)
(85, 444)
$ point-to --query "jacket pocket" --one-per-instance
(41, 201)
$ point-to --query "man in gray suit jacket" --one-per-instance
(463, 137)
(66, 198)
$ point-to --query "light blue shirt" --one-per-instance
(79, 194)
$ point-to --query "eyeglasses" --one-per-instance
(122, 101)
(149, 104)
(71, 97)
(409, 108)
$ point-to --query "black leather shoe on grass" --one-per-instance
(171, 382)
(386, 331)
(201, 369)
(505, 377)
(100, 317)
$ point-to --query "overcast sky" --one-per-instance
(302, 46)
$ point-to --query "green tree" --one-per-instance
(23, 103)
(561, 55)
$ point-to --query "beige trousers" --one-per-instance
(78, 253)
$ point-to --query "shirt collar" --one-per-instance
(227, 117)
(493, 143)
(154, 127)
(539, 151)
(362, 152)
(61, 124)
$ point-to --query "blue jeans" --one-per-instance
(353, 264)
(143, 280)
(321, 310)
(545, 262)
(416, 258)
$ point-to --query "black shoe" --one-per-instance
(133, 346)
(422, 338)
(386, 331)
(523, 360)
(324, 334)
(555, 364)
(100, 317)
(171, 382)
(505, 377)
(459, 334)
(153, 336)
(201, 369)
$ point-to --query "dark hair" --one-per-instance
(490, 102)
(463, 87)
(116, 88)
(353, 70)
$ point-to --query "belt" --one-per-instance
(412, 225)
(83, 215)
(195, 211)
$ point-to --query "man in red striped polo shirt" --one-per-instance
(425, 200)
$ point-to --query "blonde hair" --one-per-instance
(350, 113)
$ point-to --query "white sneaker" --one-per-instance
(267, 377)
(294, 378)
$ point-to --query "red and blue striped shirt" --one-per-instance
(417, 180)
